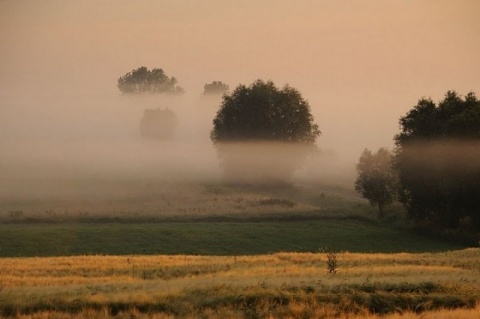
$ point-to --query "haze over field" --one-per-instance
(361, 65)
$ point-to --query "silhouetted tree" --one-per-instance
(215, 88)
(376, 179)
(158, 124)
(144, 81)
(259, 113)
(438, 161)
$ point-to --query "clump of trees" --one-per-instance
(215, 88)
(438, 161)
(158, 124)
(435, 167)
(144, 81)
(376, 179)
(263, 132)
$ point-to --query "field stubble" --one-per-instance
(281, 285)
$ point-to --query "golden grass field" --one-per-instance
(281, 285)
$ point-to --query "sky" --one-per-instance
(360, 64)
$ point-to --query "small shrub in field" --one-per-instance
(331, 261)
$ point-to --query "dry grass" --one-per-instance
(283, 285)
(138, 199)
(295, 310)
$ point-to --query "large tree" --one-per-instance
(144, 81)
(376, 179)
(263, 131)
(438, 161)
(262, 112)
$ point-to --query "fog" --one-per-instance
(449, 157)
(361, 65)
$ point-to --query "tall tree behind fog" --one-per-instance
(438, 161)
(144, 81)
(262, 132)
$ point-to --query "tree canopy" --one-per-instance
(438, 161)
(262, 112)
(263, 133)
(144, 81)
(215, 88)
(376, 179)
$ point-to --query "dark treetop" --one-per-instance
(262, 112)
(144, 81)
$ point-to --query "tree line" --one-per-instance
(142, 81)
(434, 169)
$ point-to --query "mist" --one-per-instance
(65, 129)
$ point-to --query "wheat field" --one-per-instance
(280, 285)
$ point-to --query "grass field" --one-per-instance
(223, 251)
(281, 285)
(208, 219)
(208, 238)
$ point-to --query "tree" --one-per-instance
(262, 112)
(158, 124)
(263, 132)
(215, 88)
(376, 179)
(144, 81)
(437, 159)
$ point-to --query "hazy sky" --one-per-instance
(360, 64)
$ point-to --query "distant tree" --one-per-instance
(438, 161)
(376, 179)
(251, 116)
(215, 88)
(144, 81)
(158, 124)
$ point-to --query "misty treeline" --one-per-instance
(261, 133)
(434, 169)
(159, 123)
(156, 81)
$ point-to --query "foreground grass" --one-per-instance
(281, 285)
(297, 310)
